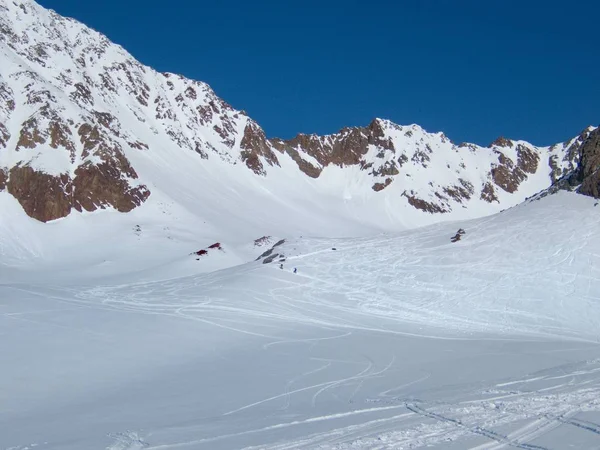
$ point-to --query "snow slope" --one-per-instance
(137, 316)
(401, 340)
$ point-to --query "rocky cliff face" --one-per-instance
(392, 153)
(584, 174)
(76, 110)
(588, 170)
(73, 106)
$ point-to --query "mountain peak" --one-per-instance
(502, 142)
(84, 126)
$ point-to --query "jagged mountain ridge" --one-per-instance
(77, 112)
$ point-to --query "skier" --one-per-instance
(295, 270)
(281, 266)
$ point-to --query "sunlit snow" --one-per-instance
(398, 340)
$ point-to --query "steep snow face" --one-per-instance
(84, 126)
(403, 340)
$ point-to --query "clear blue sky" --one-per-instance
(474, 69)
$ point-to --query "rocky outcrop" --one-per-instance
(48, 197)
(583, 155)
(423, 205)
(488, 193)
(388, 168)
(30, 135)
(508, 175)
(565, 157)
(589, 166)
(381, 186)
(254, 145)
(460, 192)
(3, 179)
(269, 256)
(527, 159)
(101, 186)
(501, 142)
(346, 148)
(76, 91)
(43, 197)
(4, 136)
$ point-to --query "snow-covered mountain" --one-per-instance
(84, 126)
(395, 341)
(149, 239)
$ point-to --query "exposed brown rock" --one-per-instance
(40, 97)
(43, 197)
(421, 157)
(504, 177)
(82, 94)
(345, 148)
(460, 193)
(571, 157)
(205, 112)
(60, 136)
(254, 145)
(488, 193)
(105, 119)
(253, 162)
(107, 82)
(381, 186)
(30, 135)
(198, 149)
(589, 166)
(423, 205)
(402, 159)
(467, 145)
(556, 171)
(527, 159)
(90, 138)
(306, 167)
(221, 132)
(313, 145)
(47, 197)
(190, 92)
(4, 136)
(101, 185)
(506, 174)
(262, 241)
(7, 102)
(501, 142)
(350, 148)
(387, 169)
(138, 145)
(377, 137)
(3, 179)
(163, 111)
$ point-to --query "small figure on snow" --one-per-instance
(281, 266)
(295, 270)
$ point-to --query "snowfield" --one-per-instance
(260, 293)
(396, 340)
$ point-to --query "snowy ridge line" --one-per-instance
(85, 110)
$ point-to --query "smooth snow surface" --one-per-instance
(393, 341)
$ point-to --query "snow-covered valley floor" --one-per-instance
(392, 341)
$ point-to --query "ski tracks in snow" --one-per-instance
(127, 440)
